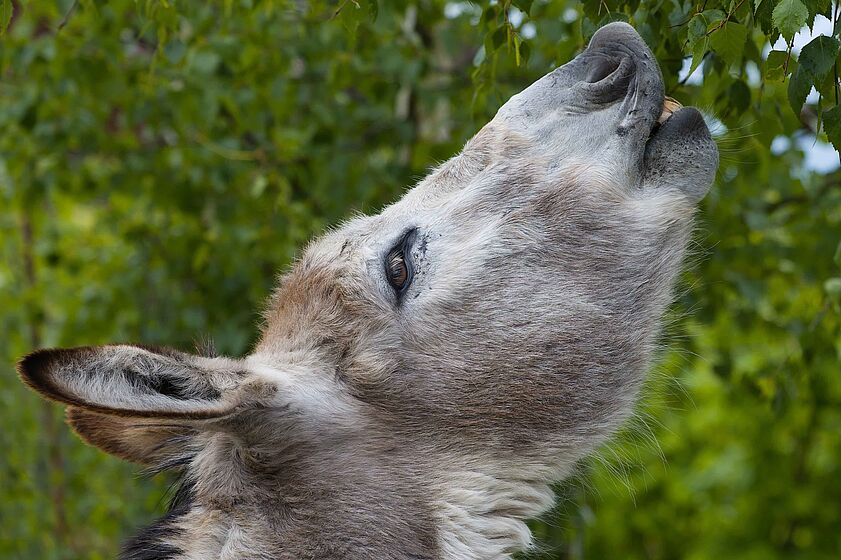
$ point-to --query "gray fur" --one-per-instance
(430, 424)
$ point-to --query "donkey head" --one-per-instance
(425, 373)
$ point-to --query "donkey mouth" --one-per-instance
(687, 121)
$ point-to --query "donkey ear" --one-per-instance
(135, 381)
(149, 441)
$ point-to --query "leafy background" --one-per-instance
(161, 160)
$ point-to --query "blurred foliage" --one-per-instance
(161, 160)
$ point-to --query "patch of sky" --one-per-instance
(452, 10)
(819, 157)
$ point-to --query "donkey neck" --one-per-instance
(347, 504)
(482, 507)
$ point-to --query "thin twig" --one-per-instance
(689, 75)
(54, 461)
(788, 58)
(726, 18)
(835, 66)
(66, 17)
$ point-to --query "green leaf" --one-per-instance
(729, 41)
(479, 57)
(789, 16)
(524, 5)
(593, 9)
(818, 57)
(698, 54)
(826, 87)
(488, 45)
(588, 28)
(816, 7)
(775, 66)
(763, 15)
(738, 97)
(351, 14)
(798, 88)
(832, 127)
(525, 52)
(489, 14)
(696, 30)
(373, 9)
(500, 35)
(837, 257)
(713, 16)
(6, 11)
(204, 62)
(833, 289)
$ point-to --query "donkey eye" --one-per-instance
(398, 267)
(398, 270)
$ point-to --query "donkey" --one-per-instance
(424, 375)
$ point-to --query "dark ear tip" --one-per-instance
(38, 369)
(34, 368)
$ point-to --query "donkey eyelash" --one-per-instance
(398, 269)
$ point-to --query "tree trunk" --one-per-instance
(50, 418)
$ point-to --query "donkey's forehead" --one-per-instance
(362, 236)
(333, 246)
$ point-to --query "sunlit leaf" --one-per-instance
(778, 65)
(696, 31)
(789, 16)
(729, 41)
(6, 12)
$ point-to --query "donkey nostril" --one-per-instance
(600, 69)
(607, 78)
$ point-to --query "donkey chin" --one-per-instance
(424, 374)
